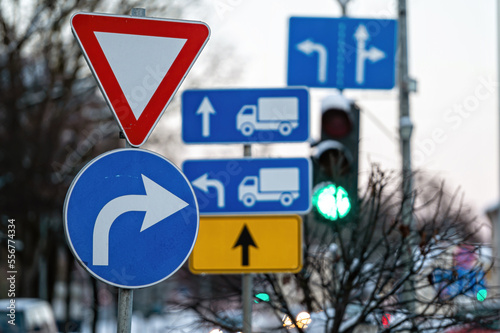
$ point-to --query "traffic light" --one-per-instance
(262, 297)
(481, 294)
(335, 194)
(386, 320)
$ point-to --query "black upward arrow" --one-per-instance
(245, 240)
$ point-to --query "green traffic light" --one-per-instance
(331, 201)
(481, 295)
(262, 297)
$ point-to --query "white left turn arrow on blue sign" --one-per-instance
(203, 183)
(309, 47)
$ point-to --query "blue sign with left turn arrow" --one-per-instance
(131, 218)
(342, 52)
(251, 185)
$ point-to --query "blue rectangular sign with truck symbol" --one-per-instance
(251, 186)
(245, 115)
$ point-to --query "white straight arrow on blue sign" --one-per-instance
(205, 110)
(374, 54)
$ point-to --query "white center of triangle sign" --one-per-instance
(139, 63)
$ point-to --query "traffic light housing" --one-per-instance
(335, 194)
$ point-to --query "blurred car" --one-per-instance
(28, 314)
(483, 317)
(471, 330)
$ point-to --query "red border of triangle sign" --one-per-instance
(139, 63)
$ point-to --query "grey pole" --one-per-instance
(139, 12)
(247, 303)
(246, 296)
(405, 131)
(496, 233)
(126, 296)
(343, 4)
(405, 125)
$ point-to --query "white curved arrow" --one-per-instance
(308, 47)
(158, 203)
(203, 183)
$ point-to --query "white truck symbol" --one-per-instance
(272, 184)
(271, 113)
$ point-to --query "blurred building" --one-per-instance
(492, 214)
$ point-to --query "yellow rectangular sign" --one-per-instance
(248, 244)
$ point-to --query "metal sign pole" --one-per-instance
(126, 296)
(343, 4)
(125, 300)
(247, 278)
(247, 302)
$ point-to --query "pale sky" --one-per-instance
(452, 53)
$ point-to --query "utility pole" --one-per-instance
(405, 131)
(405, 124)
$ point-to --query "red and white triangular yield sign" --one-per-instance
(139, 64)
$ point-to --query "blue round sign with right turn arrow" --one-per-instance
(131, 218)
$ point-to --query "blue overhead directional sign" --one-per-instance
(251, 186)
(131, 218)
(245, 115)
(342, 52)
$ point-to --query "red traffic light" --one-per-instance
(336, 123)
(336, 118)
(386, 320)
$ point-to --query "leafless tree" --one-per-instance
(373, 273)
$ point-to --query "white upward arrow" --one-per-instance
(205, 109)
(361, 35)
(203, 183)
(308, 47)
(158, 203)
